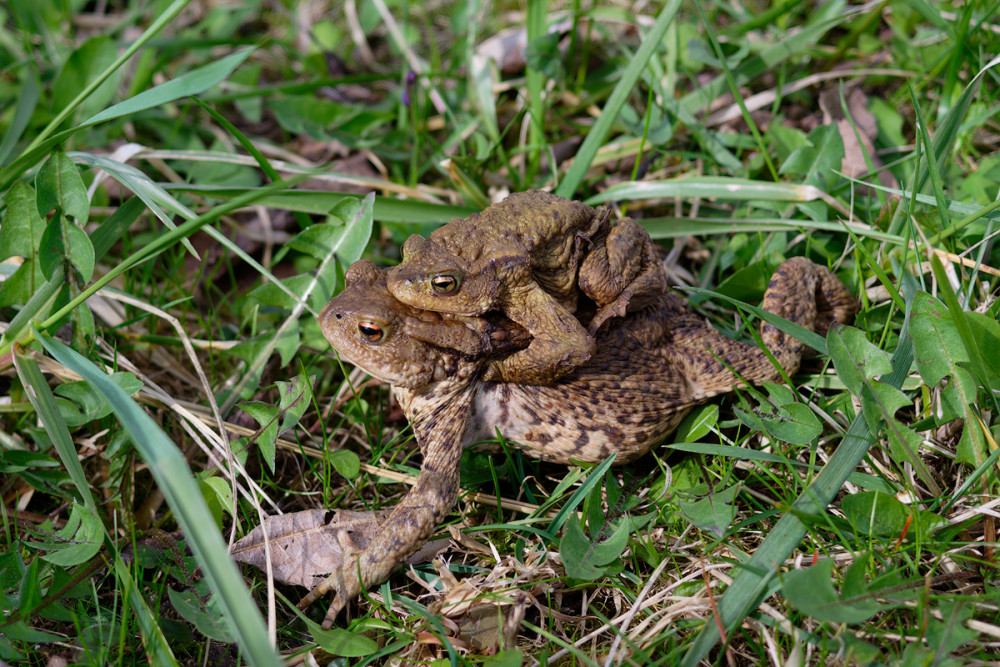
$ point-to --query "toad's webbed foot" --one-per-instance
(406, 529)
(622, 274)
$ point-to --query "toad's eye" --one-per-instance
(444, 283)
(371, 332)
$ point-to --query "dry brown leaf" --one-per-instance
(858, 128)
(307, 546)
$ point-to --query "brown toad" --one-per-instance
(522, 257)
(648, 369)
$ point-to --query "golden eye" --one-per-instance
(371, 332)
(444, 283)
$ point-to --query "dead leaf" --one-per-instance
(307, 546)
(858, 128)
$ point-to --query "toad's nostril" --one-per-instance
(339, 316)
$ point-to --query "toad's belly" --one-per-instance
(550, 425)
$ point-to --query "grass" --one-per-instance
(183, 186)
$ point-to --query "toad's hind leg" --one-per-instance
(406, 529)
(809, 295)
(800, 291)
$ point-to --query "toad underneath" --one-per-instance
(647, 370)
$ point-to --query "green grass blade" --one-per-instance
(44, 403)
(595, 138)
(157, 647)
(175, 480)
(27, 99)
(717, 187)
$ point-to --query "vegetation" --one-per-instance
(184, 183)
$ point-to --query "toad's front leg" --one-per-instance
(409, 525)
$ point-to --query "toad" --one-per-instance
(648, 370)
(522, 257)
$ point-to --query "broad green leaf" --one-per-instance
(83, 66)
(816, 163)
(986, 332)
(218, 494)
(345, 462)
(585, 559)
(714, 513)
(344, 643)
(270, 294)
(208, 618)
(876, 514)
(83, 535)
(79, 403)
(65, 243)
(60, 188)
(698, 423)
(948, 634)
(22, 284)
(21, 232)
(937, 345)
(855, 359)
(880, 401)
(267, 416)
(811, 591)
(294, 397)
(194, 82)
(794, 423)
(345, 233)
(939, 350)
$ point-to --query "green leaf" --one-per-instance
(816, 163)
(344, 643)
(585, 559)
(986, 332)
(294, 397)
(876, 514)
(811, 591)
(65, 244)
(84, 65)
(194, 82)
(345, 462)
(21, 232)
(794, 423)
(714, 513)
(948, 634)
(855, 359)
(698, 423)
(60, 188)
(345, 233)
(937, 344)
(79, 403)
(270, 294)
(208, 618)
(267, 416)
(83, 535)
